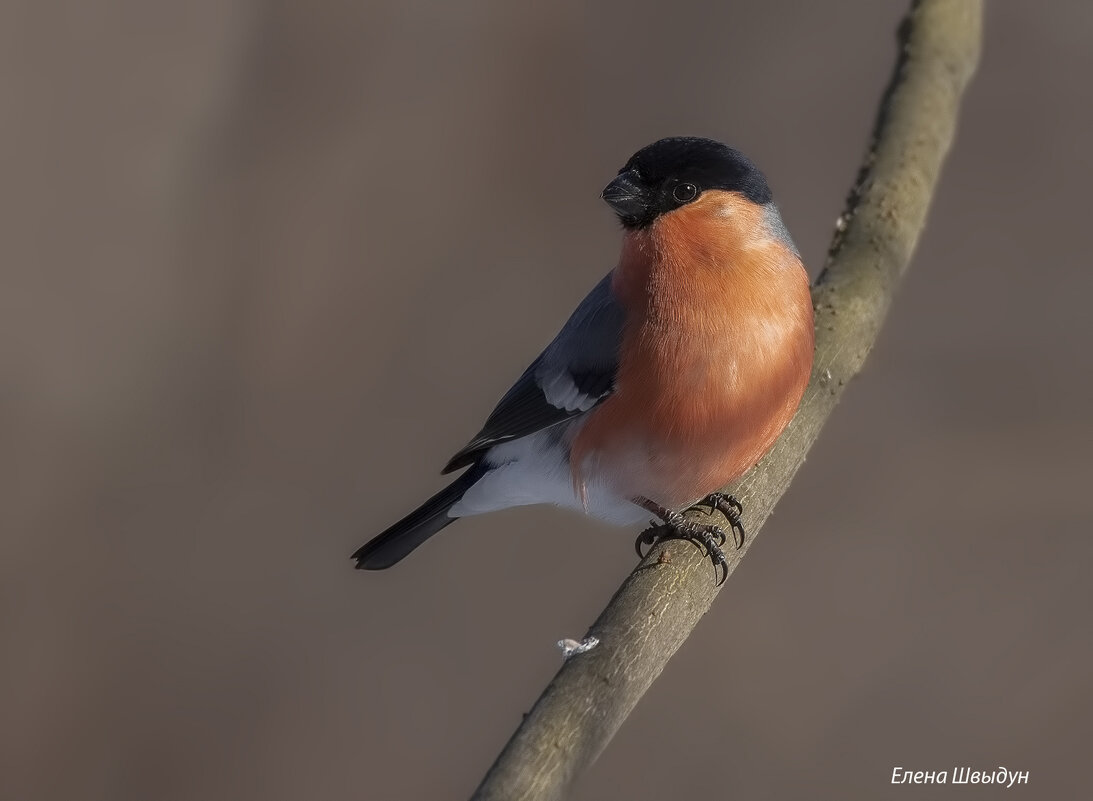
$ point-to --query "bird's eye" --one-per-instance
(685, 193)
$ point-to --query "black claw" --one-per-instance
(712, 537)
(722, 502)
(731, 508)
(718, 558)
(647, 537)
(708, 536)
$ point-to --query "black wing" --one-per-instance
(574, 373)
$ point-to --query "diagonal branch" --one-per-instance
(661, 601)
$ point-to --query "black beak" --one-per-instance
(627, 197)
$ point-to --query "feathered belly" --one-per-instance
(678, 440)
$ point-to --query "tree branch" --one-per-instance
(661, 601)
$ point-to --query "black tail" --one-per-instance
(425, 521)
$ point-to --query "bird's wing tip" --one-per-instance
(460, 460)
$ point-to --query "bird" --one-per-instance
(670, 380)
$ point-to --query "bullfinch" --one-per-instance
(671, 378)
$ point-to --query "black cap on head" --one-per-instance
(672, 172)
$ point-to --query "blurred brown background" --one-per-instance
(265, 266)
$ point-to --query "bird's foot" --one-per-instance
(711, 537)
(731, 508)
